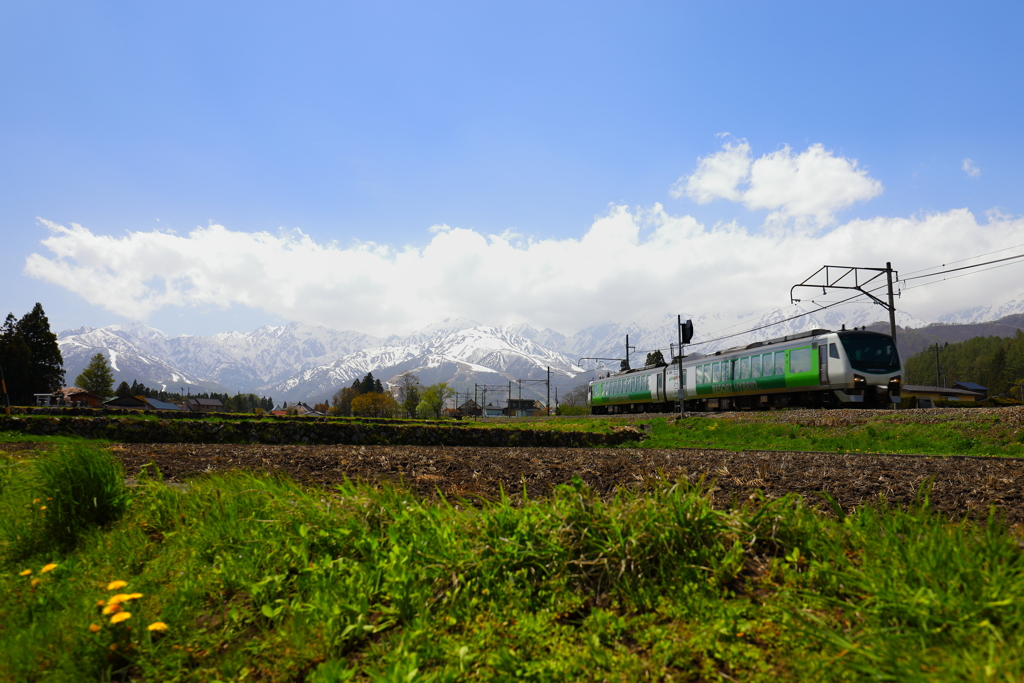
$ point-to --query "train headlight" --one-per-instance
(894, 384)
(859, 382)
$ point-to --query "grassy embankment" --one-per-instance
(995, 432)
(255, 578)
(964, 432)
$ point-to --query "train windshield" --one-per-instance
(871, 352)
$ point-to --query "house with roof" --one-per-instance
(205, 405)
(139, 403)
(76, 397)
(470, 409)
(971, 386)
(927, 396)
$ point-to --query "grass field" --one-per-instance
(238, 577)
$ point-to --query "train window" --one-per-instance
(780, 362)
(745, 368)
(716, 372)
(707, 373)
(833, 351)
(755, 367)
(800, 360)
(769, 365)
(699, 376)
(727, 370)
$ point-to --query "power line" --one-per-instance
(857, 296)
(943, 265)
(956, 277)
(953, 270)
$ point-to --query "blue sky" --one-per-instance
(345, 133)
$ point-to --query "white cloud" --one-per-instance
(630, 263)
(805, 188)
(970, 168)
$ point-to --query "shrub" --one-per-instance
(82, 486)
(572, 410)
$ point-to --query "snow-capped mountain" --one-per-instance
(229, 361)
(298, 362)
(129, 357)
(453, 352)
(981, 314)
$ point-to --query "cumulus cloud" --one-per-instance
(970, 168)
(805, 188)
(630, 263)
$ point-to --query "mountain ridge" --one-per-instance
(301, 362)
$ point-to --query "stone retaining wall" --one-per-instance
(135, 430)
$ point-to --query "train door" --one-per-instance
(823, 363)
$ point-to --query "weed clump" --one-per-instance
(54, 499)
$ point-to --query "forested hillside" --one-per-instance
(912, 340)
(993, 362)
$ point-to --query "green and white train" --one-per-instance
(816, 369)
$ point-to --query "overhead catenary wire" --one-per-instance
(943, 265)
(1006, 261)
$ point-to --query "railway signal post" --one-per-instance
(685, 335)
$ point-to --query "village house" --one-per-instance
(204, 405)
(927, 396)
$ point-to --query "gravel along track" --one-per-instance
(961, 486)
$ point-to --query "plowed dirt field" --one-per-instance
(960, 485)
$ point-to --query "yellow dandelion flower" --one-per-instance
(120, 616)
(100, 603)
(94, 628)
(48, 568)
(25, 573)
(157, 626)
(36, 501)
(114, 585)
(123, 597)
(42, 507)
(36, 582)
(111, 608)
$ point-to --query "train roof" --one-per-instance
(777, 340)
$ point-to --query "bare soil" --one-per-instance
(960, 486)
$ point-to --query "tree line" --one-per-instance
(367, 398)
(30, 357)
(996, 363)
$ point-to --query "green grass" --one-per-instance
(258, 578)
(969, 434)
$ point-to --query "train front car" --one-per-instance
(815, 369)
(864, 368)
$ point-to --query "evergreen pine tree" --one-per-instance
(124, 390)
(16, 361)
(47, 365)
(97, 377)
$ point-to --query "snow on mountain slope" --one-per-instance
(298, 362)
(983, 314)
(453, 353)
(229, 361)
(132, 362)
